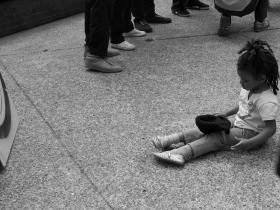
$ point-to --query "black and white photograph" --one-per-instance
(139, 104)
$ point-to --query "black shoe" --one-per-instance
(143, 25)
(158, 19)
(197, 5)
(181, 13)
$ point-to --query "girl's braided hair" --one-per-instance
(258, 59)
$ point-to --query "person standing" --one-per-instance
(122, 26)
(197, 5)
(97, 31)
(144, 13)
(180, 7)
(260, 7)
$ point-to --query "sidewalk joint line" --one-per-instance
(40, 51)
(201, 35)
(4, 68)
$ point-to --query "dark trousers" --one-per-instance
(179, 4)
(121, 20)
(97, 25)
(142, 9)
(261, 10)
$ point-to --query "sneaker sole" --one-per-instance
(178, 14)
(138, 35)
(260, 29)
(146, 30)
(169, 159)
(124, 49)
(94, 68)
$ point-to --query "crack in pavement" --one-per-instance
(58, 137)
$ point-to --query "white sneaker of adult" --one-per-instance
(135, 33)
(123, 46)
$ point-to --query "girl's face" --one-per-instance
(248, 82)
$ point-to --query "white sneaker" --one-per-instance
(123, 46)
(135, 33)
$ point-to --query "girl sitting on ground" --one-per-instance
(255, 120)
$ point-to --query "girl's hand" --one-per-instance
(242, 145)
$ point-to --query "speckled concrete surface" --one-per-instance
(84, 137)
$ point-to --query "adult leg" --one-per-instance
(197, 5)
(118, 21)
(261, 23)
(138, 12)
(150, 14)
(179, 4)
(149, 8)
(261, 10)
(225, 22)
(97, 27)
(128, 27)
(120, 24)
(87, 20)
(179, 7)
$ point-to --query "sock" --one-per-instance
(171, 139)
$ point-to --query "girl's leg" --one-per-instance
(162, 142)
(208, 143)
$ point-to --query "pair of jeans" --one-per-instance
(98, 15)
(121, 21)
(260, 11)
(142, 9)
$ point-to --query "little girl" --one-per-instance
(255, 120)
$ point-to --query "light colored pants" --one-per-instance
(204, 143)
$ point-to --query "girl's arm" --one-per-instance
(261, 138)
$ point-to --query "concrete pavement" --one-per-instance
(84, 137)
